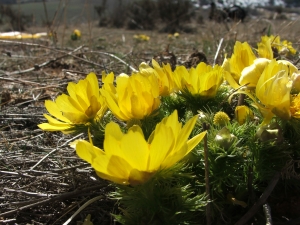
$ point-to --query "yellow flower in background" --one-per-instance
(287, 45)
(141, 37)
(164, 75)
(283, 47)
(271, 43)
(176, 35)
(77, 32)
(204, 80)
(134, 97)
(243, 112)
(295, 106)
(129, 159)
(251, 74)
(242, 57)
(264, 48)
(83, 104)
(76, 35)
(273, 91)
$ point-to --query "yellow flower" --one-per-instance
(287, 45)
(176, 35)
(295, 106)
(265, 48)
(141, 37)
(164, 75)
(130, 159)
(273, 91)
(134, 97)
(251, 74)
(83, 104)
(77, 32)
(296, 82)
(243, 112)
(242, 57)
(283, 47)
(173, 36)
(108, 82)
(204, 80)
(269, 44)
(76, 35)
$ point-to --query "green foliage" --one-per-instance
(171, 103)
(195, 103)
(164, 199)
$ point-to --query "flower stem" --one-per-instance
(207, 188)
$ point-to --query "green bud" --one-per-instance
(224, 138)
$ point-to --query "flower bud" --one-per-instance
(243, 112)
(221, 119)
(270, 132)
(224, 138)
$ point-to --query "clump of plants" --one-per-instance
(147, 15)
(163, 139)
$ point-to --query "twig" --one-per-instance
(241, 99)
(113, 56)
(16, 139)
(67, 210)
(267, 211)
(16, 173)
(40, 173)
(29, 193)
(82, 207)
(8, 221)
(69, 168)
(37, 67)
(50, 61)
(54, 150)
(20, 203)
(70, 72)
(292, 222)
(260, 201)
(218, 50)
(21, 81)
(55, 198)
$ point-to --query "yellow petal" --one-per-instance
(252, 73)
(55, 111)
(161, 144)
(87, 151)
(193, 142)
(93, 81)
(185, 132)
(135, 148)
(51, 127)
(243, 112)
(113, 106)
(232, 82)
(66, 103)
(113, 168)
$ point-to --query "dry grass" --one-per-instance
(42, 181)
